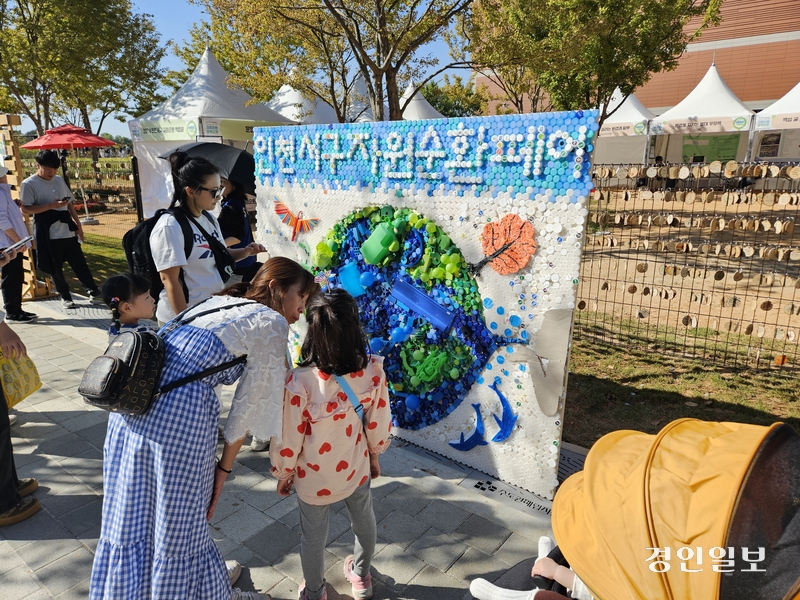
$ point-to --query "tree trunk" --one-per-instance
(393, 96)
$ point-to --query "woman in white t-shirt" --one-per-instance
(197, 190)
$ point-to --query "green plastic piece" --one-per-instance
(376, 248)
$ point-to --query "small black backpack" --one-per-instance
(136, 243)
(125, 379)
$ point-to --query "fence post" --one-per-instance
(32, 288)
(137, 189)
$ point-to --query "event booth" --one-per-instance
(777, 129)
(418, 108)
(203, 108)
(623, 136)
(710, 124)
(291, 104)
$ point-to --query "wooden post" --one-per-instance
(32, 288)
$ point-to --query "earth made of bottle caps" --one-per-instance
(457, 237)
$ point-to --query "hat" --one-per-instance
(3, 171)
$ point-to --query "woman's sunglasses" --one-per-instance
(216, 192)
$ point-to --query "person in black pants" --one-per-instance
(12, 230)
(15, 503)
(57, 228)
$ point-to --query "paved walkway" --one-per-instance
(437, 528)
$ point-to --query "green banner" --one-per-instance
(711, 147)
(177, 130)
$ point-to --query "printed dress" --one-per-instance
(158, 468)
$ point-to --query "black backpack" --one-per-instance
(136, 243)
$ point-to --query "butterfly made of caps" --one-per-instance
(296, 222)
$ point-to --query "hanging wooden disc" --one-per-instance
(652, 172)
(658, 196)
(784, 199)
(633, 172)
(774, 170)
(663, 172)
(768, 199)
(690, 196)
(680, 196)
(697, 171)
(622, 173)
(715, 167)
(794, 172)
(647, 195)
(673, 172)
(683, 172)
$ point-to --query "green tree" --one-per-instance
(581, 50)
(322, 47)
(90, 55)
(456, 98)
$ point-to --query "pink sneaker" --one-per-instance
(304, 596)
(360, 586)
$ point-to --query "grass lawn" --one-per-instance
(613, 387)
(105, 257)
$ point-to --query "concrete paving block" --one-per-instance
(382, 592)
(407, 499)
(445, 516)
(76, 592)
(437, 549)
(401, 529)
(530, 525)
(11, 559)
(226, 506)
(67, 571)
(258, 576)
(286, 588)
(291, 519)
(34, 528)
(515, 549)
(90, 538)
(241, 554)
(273, 541)
(289, 564)
(94, 434)
(338, 524)
(342, 546)
(431, 584)
(334, 576)
(395, 567)
(90, 460)
(61, 504)
(473, 564)
(43, 594)
(262, 496)
(285, 505)
(381, 509)
(19, 583)
(83, 518)
(82, 421)
(243, 478)
(65, 445)
(481, 534)
(51, 547)
(23, 462)
(382, 486)
(244, 523)
(257, 461)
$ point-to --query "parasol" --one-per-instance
(70, 137)
(233, 163)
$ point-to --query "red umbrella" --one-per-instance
(67, 136)
(70, 137)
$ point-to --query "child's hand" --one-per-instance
(374, 466)
(546, 567)
(285, 486)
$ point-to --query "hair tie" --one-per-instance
(115, 299)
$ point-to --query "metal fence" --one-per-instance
(700, 260)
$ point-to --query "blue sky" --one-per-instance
(173, 19)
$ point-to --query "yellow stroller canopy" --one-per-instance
(699, 511)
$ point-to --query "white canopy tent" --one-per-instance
(623, 136)
(705, 123)
(418, 108)
(294, 106)
(778, 128)
(204, 107)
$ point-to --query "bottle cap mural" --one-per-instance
(461, 241)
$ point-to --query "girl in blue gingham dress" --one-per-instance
(160, 480)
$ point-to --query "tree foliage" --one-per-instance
(328, 49)
(456, 98)
(82, 55)
(581, 50)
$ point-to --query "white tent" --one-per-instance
(418, 108)
(710, 107)
(360, 110)
(711, 122)
(204, 106)
(783, 113)
(623, 136)
(293, 105)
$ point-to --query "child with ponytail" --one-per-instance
(327, 452)
(128, 297)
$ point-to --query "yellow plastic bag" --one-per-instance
(19, 379)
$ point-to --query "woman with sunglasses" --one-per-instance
(190, 279)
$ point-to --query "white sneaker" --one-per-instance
(483, 590)
(67, 303)
(234, 570)
(96, 298)
(258, 445)
(240, 595)
(12, 419)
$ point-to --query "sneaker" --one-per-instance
(67, 303)
(304, 596)
(240, 595)
(361, 586)
(27, 507)
(27, 486)
(30, 314)
(18, 318)
(95, 297)
(258, 445)
(12, 419)
(234, 570)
